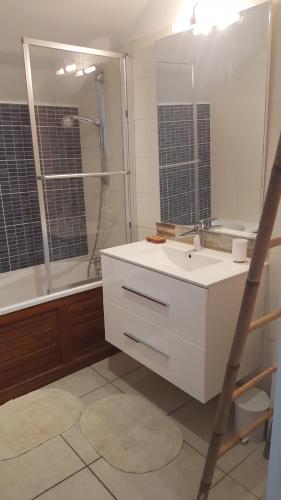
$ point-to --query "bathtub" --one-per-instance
(26, 287)
(43, 336)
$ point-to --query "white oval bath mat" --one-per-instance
(131, 433)
(32, 419)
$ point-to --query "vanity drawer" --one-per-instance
(172, 357)
(177, 306)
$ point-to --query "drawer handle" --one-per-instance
(140, 341)
(132, 290)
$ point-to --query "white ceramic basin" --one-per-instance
(188, 260)
(180, 258)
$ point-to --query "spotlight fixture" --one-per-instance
(70, 68)
(90, 69)
(206, 16)
(60, 72)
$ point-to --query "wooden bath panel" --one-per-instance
(45, 342)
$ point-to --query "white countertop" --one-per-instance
(153, 256)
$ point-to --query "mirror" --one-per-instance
(212, 100)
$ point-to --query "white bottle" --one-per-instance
(197, 243)
(239, 249)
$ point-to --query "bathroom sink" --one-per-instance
(188, 260)
(204, 267)
(181, 256)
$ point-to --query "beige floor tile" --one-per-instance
(196, 421)
(116, 366)
(252, 473)
(81, 382)
(230, 490)
(82, 485)
(177, 481)
(102, 392)
(146, 383)
(34, 472)
(80, 444)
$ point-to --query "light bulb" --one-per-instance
(90, 69)
(208, 15)
(60, 72)
(70, 67)
(79, 73)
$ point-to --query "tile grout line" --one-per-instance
(243, 460)
(93, 390)
(59, 482)
(242, 486)
(101, 482)
(170, 414)
(76, 453)
(117, 378)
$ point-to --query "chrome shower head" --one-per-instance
(68, 121)
(100, 77)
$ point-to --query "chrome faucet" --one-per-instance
(195, 229)
(203, 224)
(207, 223)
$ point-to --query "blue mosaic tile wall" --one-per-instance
(60, 152)
(176, 149)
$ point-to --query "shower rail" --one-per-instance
(74, 176)
(182, 164)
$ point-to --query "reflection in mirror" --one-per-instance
(212, 99)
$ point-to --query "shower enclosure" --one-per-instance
(78, 114)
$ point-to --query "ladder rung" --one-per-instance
(258, 323)
(245, 433)
(275, 242)
(254, 381)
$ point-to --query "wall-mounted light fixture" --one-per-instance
(70, 68)
(90, 69)
(203, 16)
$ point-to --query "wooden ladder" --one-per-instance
(244, 327)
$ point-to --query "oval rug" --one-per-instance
(34, 418)
(131, 433)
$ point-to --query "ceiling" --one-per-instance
(104, 23)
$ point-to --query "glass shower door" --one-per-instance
(77, 104)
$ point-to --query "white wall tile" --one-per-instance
(146, 137)
(248, 204)
(224, 202)
(148, 209)
(145, 98)
(147, 175)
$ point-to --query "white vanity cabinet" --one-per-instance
(178, 329)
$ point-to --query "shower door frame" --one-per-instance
(32, 42)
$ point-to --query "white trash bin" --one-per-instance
(248, 408)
